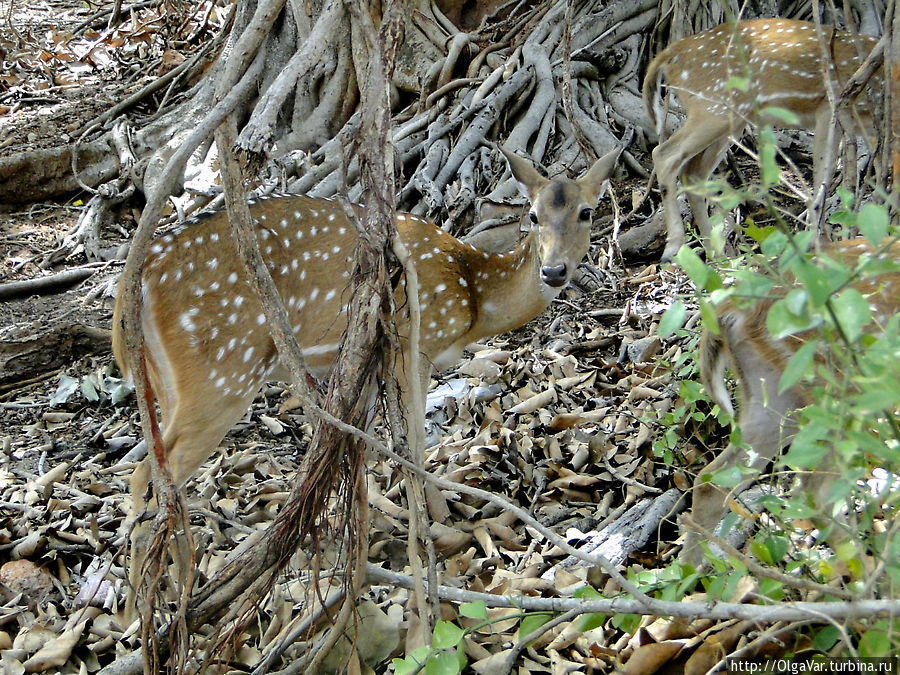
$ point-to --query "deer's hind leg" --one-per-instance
(192, 432)
(766, 423)
(684, 148)
(697, 171)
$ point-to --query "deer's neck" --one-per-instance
(508, 290)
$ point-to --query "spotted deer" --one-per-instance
(784, 65)
(208, 348)
(757, 359)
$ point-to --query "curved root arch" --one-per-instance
(454, 92)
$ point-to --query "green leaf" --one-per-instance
(826, 638)
(732, 581)
(672, 319)
(443, 663)
(718, 235)
(728, 200)
(816, 281)
(852, 312)
(873, 222)
(725, 477)
(772, 589)
(875, 643)
(760, 550)
(401, 667)
(845, 195)
(446, 635)
(798, 365)
(757, 233)
(591, 621)
(407, 665)
(788, 316)
(770, 174)
(806, 451)
(474, 610)
(774, 245)
(419, 655)
(739, 83)
(531, 622)
(461, 659)
(787, 117)
(875, 399)
(847, 551)
(796, 301)
(844, 218)
(690, 391)
(720, 295)
(755, 285)
(778, 547)
(627, 623)
(693, 266)
(715, 585)
(708, 316)
(587, 592)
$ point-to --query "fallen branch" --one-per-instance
(53, 283)
(718, 611)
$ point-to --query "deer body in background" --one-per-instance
(783, 62)
(758, 360)
(208, 347)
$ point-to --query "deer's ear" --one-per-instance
(529, 180)
(594, 180)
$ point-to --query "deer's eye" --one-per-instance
(533, 216)
(585, 214)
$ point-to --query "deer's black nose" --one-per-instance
(555, 275)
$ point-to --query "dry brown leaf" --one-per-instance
(562, 421)
(715, 648)
(638, 393)
(53, 475)
(573, 480)
(535, 402)
(459, 564)
(495, 664)
(273, 425)
(504, 532)
(484, 369)
(648, 659)
(567, 383)
(484, 541)
(453, 542)
(738, 508)
(33, 638)
(682, 482)
(57, 651)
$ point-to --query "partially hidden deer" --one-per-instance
(208, 348)
(783, 64)
(766, 416)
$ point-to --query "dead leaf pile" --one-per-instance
(47, 63)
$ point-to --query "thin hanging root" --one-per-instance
(186, 564)
(152, 568)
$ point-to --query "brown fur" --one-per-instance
(757, 360)
(781, 58)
